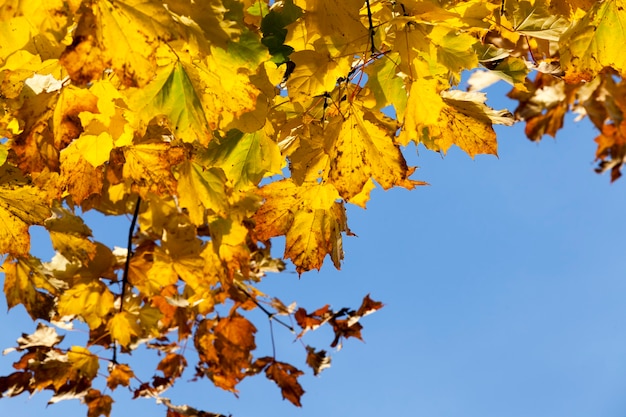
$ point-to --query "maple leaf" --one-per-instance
(201, 189)
(245, 158)
(345, 329)
(611, 149)
(124, 327)
(365, 149)
(318, 360)
(119, 374)
(24, 280)
(83, 362)
(213, 17)
(543, 105)
(224, 348)
(535, 19)
(226, 95)
(42, 32)
(98, 404)
(21, 205)
(386, 85)
(172, 93)
(286, 377)
(172, 365)
(100, 40)
(368, 306)
(87, 298)
(326, 24)
(14, 384)
(70, 236)
(313, 320)
(149, 166)
(44, 336)
(67, 124)
(466, 121)
(309, 217)
(593, 43)
(315, 74)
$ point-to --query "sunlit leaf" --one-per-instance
(21, 205)
(119, 374)
(286, 377)
(308, 216)
(594, 42)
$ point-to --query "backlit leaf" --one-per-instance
(98, 404)
(173, 94)
(245, 158)
(124, 327)
(83, 362)
(119, 374)
(89, 299)
(594, 42)
(318, 360)
(21, 205)
(24, 280)
(224, 348)
(310, 218)
(286, 377)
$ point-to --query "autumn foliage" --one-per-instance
(217, 125)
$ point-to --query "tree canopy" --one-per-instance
(216, 126)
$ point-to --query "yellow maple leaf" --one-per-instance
(79, 177)
(423, 108)
(212, 18)
(201, 189)
(123, 326)
(24, 278)
(150, 272)
(309, 216)
(329, 25)
(364, 149)
(110, 115)
(38, 25)
(245, 158)
(226, 94)
(229, 240)
(66, 124)
(454, 49)
(124, 36)
(315, 74)
(386, 85)
(595, 42)
(70, 235)
(89, 299)
(464, 120)
(119, 374)
(21, 205)
(149, 165)
(172, 93)
(83, 362)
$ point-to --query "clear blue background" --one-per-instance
(504, 284)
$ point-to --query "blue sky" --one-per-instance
(504, 290)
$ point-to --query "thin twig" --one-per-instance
(270, 315)
(371, 23)
(272, 337)
(129, 253)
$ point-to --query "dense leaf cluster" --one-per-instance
(218, 125)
